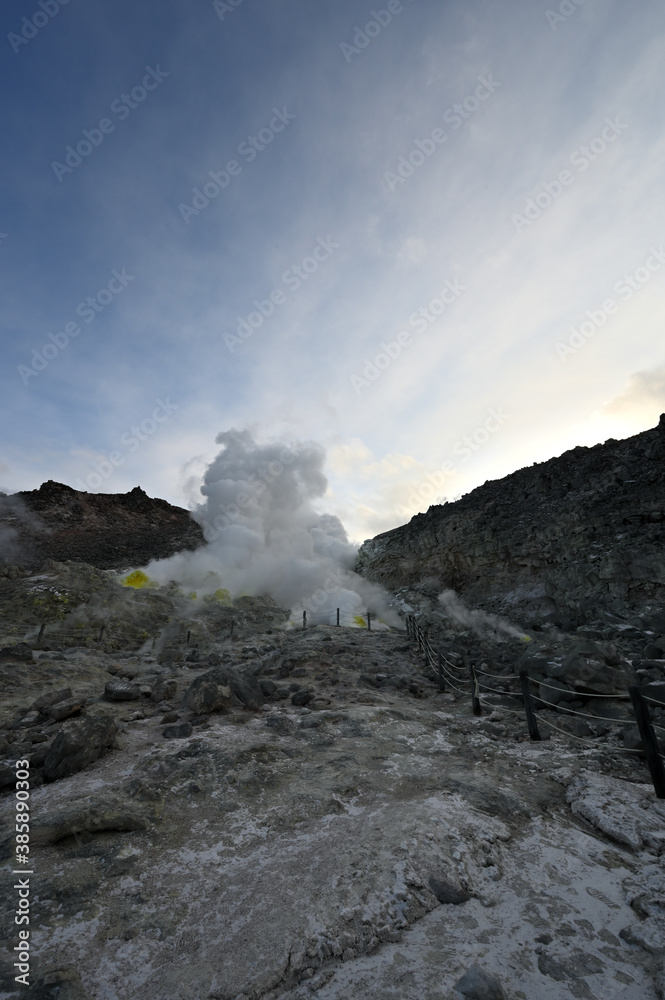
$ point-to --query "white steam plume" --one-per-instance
(479, 621)
(264, 535)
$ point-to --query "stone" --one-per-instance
(31, 719)
(7, 776)
(180, 732)
(65, 709)
(479, 985)
(164, 690)
(92, 814)
(448, 892)
(302, 697)
(268, 687)
(82, 743)
(20, 652)
(53, 698)
(632, 739)
(38, 756)
(281, 724)
(554, 691)
(584, 674)
(212, 691)
(121, 690)
(207, 694)
(170, 717)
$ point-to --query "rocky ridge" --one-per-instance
(106, 530)
(562, 541)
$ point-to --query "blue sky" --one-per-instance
(430, 265)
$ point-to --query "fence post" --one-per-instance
(442, 686)
(304, 619)
(41, 633)
(338, 616)
(534, 732)
(369, 621)
(475, 700)
(648, 741)
(419, 636)
(188, 635)
(101, 633)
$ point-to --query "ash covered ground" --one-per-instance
(253, 810)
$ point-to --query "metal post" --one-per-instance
(41, 633)
(426, 646)
(419, 636)
(475, 691)
(101, 632)
(188, 635)
(369, 622)
(304, 619)
(649, 741)
(534, 732)
(442, 686)
(338, 616)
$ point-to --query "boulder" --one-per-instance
(43, 703)
(585, 674)
(82, 743)
(121, 690)
(7, 776)
(180, 732)
(479, 985)
(213, 691)
(20, 652)
(207, 694)
(448, 891)
(164, 690)
(302, 697)
(65, 709)
(554, 691)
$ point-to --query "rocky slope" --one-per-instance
(559, 541)
(107, 530)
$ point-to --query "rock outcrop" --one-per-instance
(562, 538)
(106, 530)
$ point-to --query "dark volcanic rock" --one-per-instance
(20, 652)
(213, 691)
(180, 732)
(107, 530)
(577, 534)
(79, 745)
(447, 892)
(478, 985)
(43, 703)
(121, 690)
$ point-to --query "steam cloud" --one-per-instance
(265, 536)
(479, 621)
